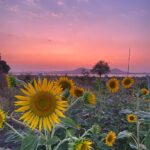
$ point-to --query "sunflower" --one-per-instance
(127, 82)
(110, 138)
(77, 91)
(83, 144)
(2, 118)
(113, 85)
(42, 104)
(65, 83)
(89, 98)
(131, 118)
(144, 91)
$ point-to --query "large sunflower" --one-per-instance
(89, 98)
(127, 82)
(113, 85)
(110, 138)
(77, 91)
(131, 118)
(65, 83)
(42, 105)
(2, 118)
(144, 91)
(83, 144)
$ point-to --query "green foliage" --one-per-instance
(30, 142)
(87, 122)
(147, 140)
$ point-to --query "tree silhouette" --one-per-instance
(4, 67)
(101, 68)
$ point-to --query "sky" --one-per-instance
(45, 35)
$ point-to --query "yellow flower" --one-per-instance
(42, 105)
(65, 83)
(131, 118)
(110, 138)
(83, 144)
(144, 91)
(113, 85)
(77, 91)
(127, 82)
(2, 118)
(89, 98)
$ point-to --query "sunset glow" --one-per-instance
(45, 35)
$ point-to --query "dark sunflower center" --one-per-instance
(144, 92)
(112, 85)
(1, 119)
(127, 82)
(78, 92)
(131, 118)
(110, 138)
(65, 85)
(43, 103)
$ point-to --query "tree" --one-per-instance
(4, 68)
(101, 68)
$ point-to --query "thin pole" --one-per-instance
(148, 82)
(129, 62)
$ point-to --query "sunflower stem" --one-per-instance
(73, 103)
(13, 129)
(86, 132)
(20, 123)
(53, 132)
(138, 123)
(134, 139)
(48, 147)
(63, 141)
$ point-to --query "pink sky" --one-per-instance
(67, 35)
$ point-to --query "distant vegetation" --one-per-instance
(4, 67)
(101, 68)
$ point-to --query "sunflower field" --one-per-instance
(75, 113)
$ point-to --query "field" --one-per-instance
(93, 113)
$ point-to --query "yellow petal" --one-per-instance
(40, 124)
(36, 85)
(31, 88)
(51, 121)
(22, 97)
(36, 122)
(25, 115)
(48, 123)
(58, 112)
(44, 124)
(22, 109)
(21, 103)
(29, 121)
(55, 118)
(44, 85)
(26, 92)
(60, 108)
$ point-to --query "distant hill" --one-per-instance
(76, 71)
(81, 70)
(117, 71)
